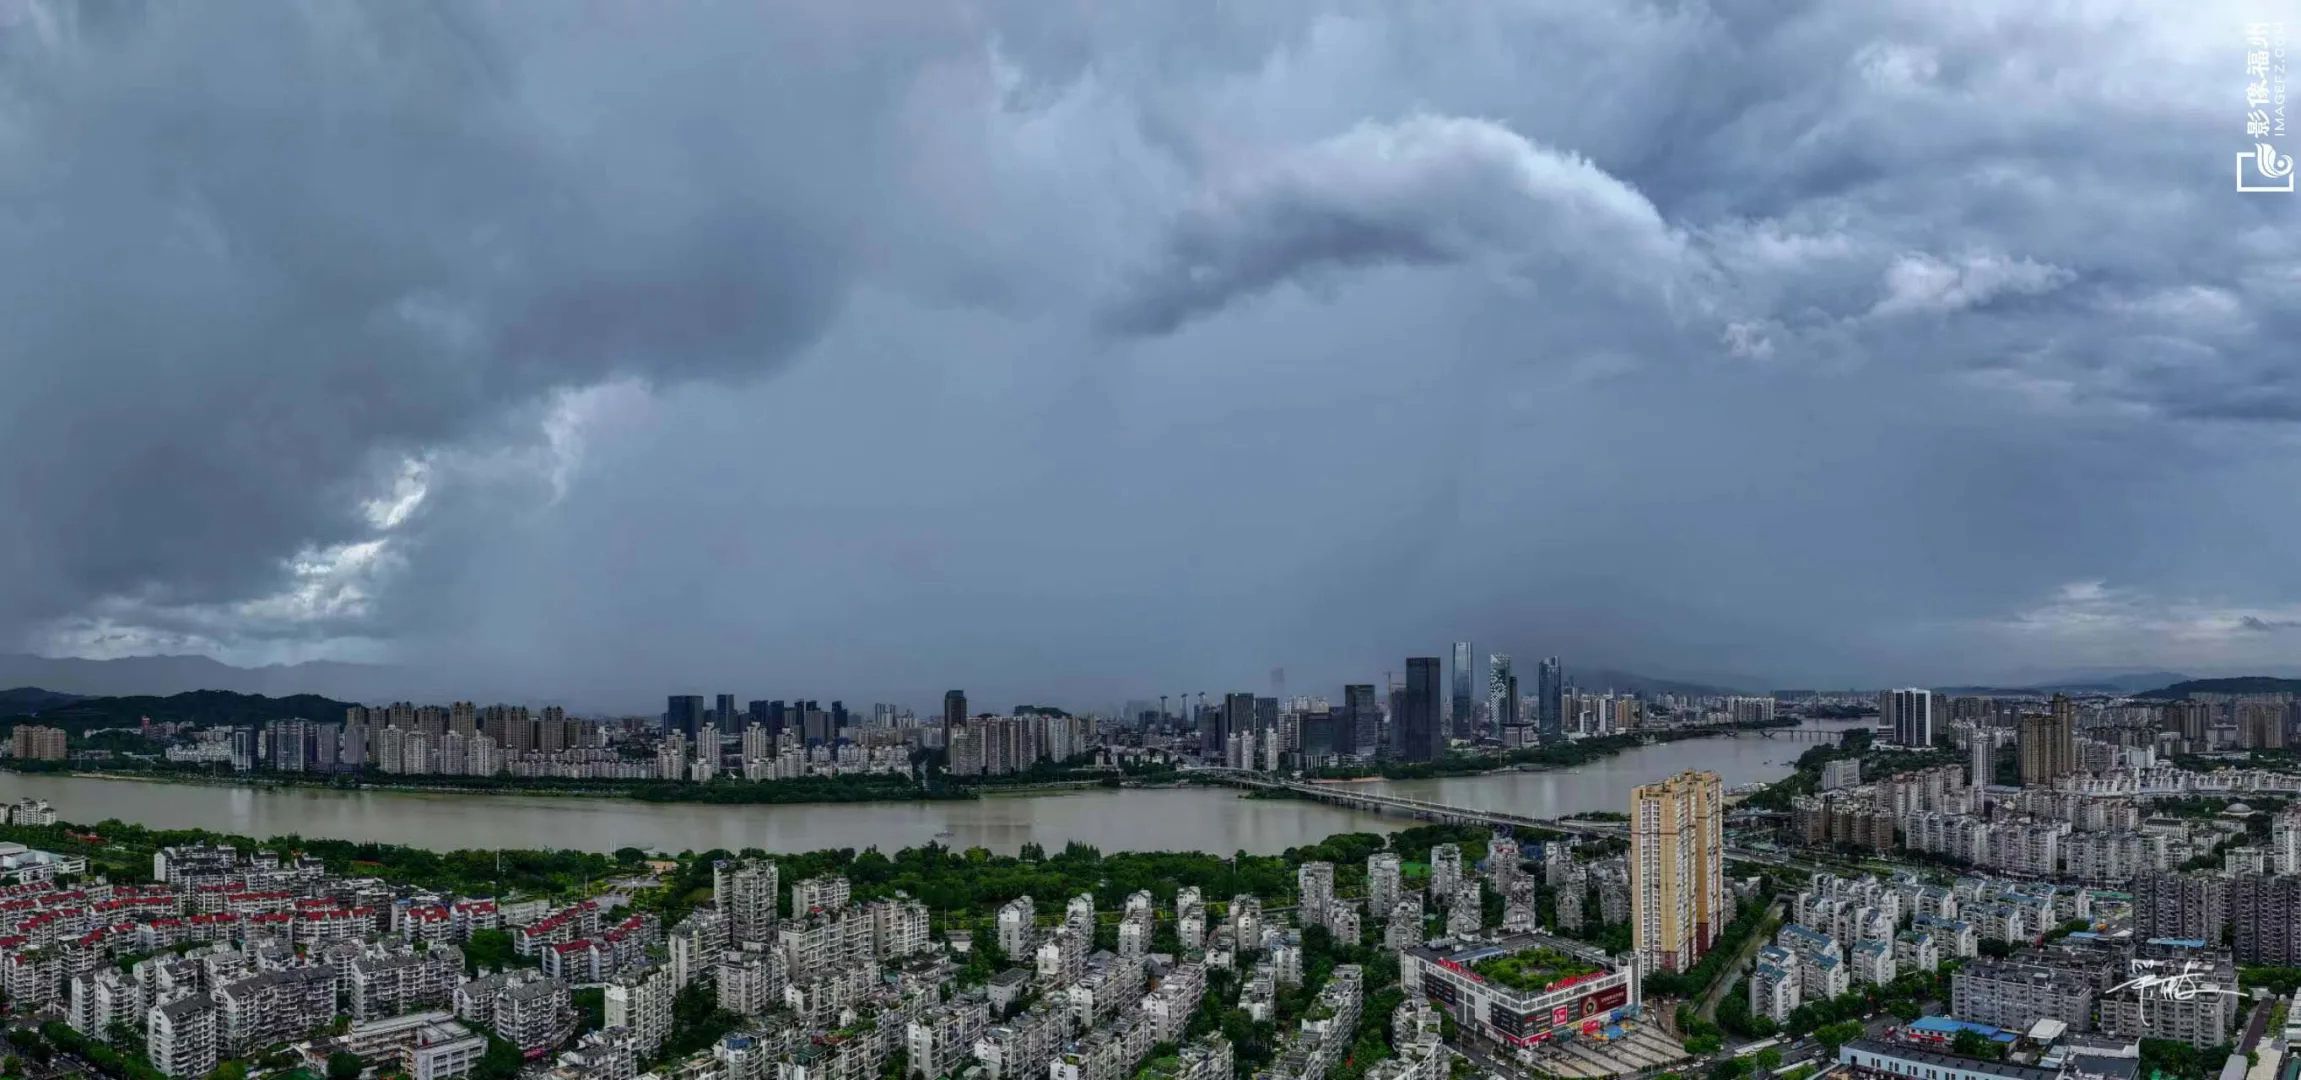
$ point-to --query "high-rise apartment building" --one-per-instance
(2191, 719)
(1384, 883)
(640, 1001)
(181, 1036)
(326, 742)
(1550, 699)
(1677, 869)
(2265, 919)
(746, 893)
(2049, 743)
(2260, 725)
(35, 742)
(1909, 715)
(1464, 706)
(2180, 906)
(1419, 734)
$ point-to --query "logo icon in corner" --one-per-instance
(2264, 169)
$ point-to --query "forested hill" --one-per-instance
(206, 707)
(32, 699)
(2242, 684)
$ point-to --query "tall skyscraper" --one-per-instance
(1394, 712)
(1362, 717)
(685, 716)
(1501, 701)
(1677, 869)
(724, 717)
(2049, 743)
(1237, 714)
(1421, 736)
(1213, 731)
(1909, 715)
(1465, 707)
(954, 708)
(1550, 699)
(1321, 734)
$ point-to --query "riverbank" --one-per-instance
(1143, 818)
(858, 788)
(844, 789)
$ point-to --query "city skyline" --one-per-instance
(1294, 540)
(384, 683)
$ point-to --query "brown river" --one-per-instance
(1188, 818)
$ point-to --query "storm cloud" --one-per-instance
(1424, 191)
(593, 351)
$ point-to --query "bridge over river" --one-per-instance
(1358, 797)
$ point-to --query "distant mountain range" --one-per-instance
(1596, 679)
(161, 675)
(2129, 682)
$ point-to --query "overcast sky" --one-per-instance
(1078, 351)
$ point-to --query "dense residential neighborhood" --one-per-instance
(232, 957)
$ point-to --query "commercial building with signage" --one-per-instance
(1503, 989)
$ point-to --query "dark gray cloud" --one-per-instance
(1133, 348)
(262, 257)
(1424, 191)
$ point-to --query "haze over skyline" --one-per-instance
(1084, 353)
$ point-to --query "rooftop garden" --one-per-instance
(1533, 969)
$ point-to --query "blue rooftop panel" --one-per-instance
(1943, 1025)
